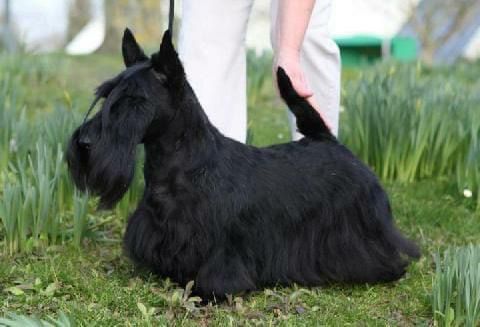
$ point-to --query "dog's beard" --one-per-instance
(106, 169)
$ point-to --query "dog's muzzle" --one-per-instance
(84, 142)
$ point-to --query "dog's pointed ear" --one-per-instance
(167, 61)
(131, 51)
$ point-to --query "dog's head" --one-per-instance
(137, 106)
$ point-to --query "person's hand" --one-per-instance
(290, 62)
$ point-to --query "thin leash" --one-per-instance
(94, 103)
(171, 18)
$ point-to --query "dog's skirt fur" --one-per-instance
(229, 216)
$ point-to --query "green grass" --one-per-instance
(62, 260)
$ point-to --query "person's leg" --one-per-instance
(321, 60)
(321, 63)
(212, 48)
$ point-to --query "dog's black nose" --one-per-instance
(84, 142)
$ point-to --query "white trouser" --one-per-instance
(212, 48)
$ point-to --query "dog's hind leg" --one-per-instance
(224, 273)
(369, 248)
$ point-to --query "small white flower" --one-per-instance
(13, 145)
(467, 193)
(280, 136)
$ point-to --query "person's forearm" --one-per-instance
(293, 18)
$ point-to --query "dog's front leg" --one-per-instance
(224, 273)
(141, 238)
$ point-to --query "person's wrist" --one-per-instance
(288, 52)
(287, 58)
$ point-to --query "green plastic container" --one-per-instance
(363, 50)
(404, 48)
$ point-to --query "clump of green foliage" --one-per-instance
(456, 287)
(39, 206)
(410, 122)
(14, 320)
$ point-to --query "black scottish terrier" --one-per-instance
(230, 216)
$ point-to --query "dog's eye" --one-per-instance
(127, 102)
(135, 101)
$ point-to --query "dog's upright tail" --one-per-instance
(309, 121)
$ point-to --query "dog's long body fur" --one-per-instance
(229, 216)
